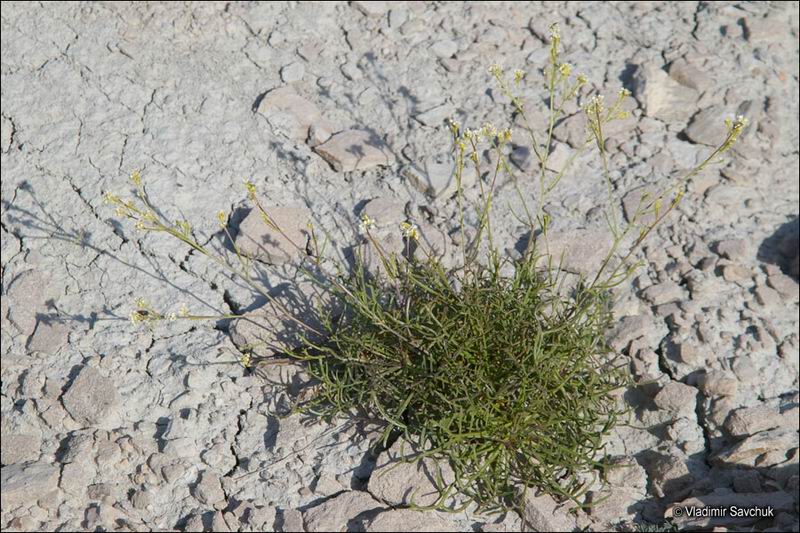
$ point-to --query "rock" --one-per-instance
(271, 245)
(15, 448)
(669, 474)
(208, 489)
(708, 126)
(571, 130)
(627, 485)
(397, 482)
(542, 513)
(718, 383)
(583, 250)
(49, 337)
(763, 450)
(91, 397)
(438, 179)
(768, 297)
(736, 273)
(629, 329)
(558, 158)
(661, 96)
(663, 293)
(28, 292)
(372, 9)
(734, 249)
(678, 398)
(689, 75)
(747, 481)
(436, 116)
(785, 285)
(751, 420)
(355, 150)
(293, 116)
(292, 520)
(293, 72)
(777, 501)
(444, 48)
(385, 212)
(141, 499)
(23, 483)
(410, 520)
(335, 513)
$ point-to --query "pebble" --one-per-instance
(355, 150)
(91, 397)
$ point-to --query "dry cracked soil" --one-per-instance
(339, 107)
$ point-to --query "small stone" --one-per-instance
(765, 449)
(49, 337)
(751, 420)
(385, 212)
(409, 520)
(663, 293)
(372, 9)
(274, 246)
(582, 250)
(444, 48)
(629, 329)
(718, 383)
(736, 273)
(708, 126)
(542, 513)
(635, 203)
(91, 397)
(21, 483)
(218, 522)
(294, 116)
(293, 72)
(689, 75)
(785, 285)
(397, 477)
(558, 158)
(669, 474)
(334, 513)
(678, 398)
(571, 130)
(355, 150)
(29, 291)
(661, 96)
(734, 249)
(16, 448)
(292, 520)
(438, 179)
(208, 489)
(141, 499)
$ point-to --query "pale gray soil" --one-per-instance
(112, 426)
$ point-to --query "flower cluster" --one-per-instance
(410, 231)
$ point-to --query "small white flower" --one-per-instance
(410, 231)
(366, 223)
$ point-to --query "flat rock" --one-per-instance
(374, 9)
(91, 397)
(542, 513)
(278, 244)
(335, 513)
(636, 205)
(28, 291)
(708, 126)
(294, 116)
(208, 489)
(355, 150)
(688, 74)
(404, 483)
(24, 483)
(750, 420)
(410, 520)
(437, 177)
(49, 337)
(677, 398)
(293, 72)
(436, 116)
(385, 212)
(763, 450)
(583, 250)
(661, 96)
(16, 448)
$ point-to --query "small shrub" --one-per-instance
(493, 366)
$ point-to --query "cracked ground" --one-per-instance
(106, 425)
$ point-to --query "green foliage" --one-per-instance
(503, 377)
